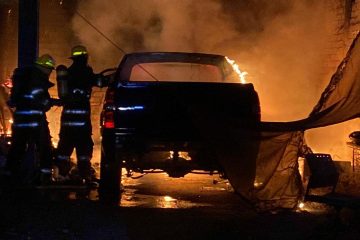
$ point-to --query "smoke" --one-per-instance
(154, 25)
(282, 45)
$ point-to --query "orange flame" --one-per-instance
(237, 70)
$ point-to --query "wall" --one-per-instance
(333, 139)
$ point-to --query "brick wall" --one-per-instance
(345, 17)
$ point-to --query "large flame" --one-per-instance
(237, 70)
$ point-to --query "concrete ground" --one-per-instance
(158, 207)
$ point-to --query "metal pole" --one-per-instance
(28, 40)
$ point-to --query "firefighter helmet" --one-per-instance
(46, 61)
(78, 50)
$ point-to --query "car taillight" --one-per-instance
(108, 114)
(109, 119)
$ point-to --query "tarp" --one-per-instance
(274, 181)
(277, 182)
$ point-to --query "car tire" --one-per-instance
(110, 176)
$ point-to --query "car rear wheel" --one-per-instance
(110, 176)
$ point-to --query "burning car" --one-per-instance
(155, 107)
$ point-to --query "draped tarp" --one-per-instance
(278, 182)
(277, 176)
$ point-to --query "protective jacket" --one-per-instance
(31, 99)
(76, 111)
(30, 96)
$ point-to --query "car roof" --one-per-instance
(190, 57)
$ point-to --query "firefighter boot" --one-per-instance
(84, 168)
(63, 165)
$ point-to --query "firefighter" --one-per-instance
(75, 85)
(31, 100)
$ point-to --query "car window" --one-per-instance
(177, 72)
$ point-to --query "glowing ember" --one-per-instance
(301, 205)
(258, 184)
(237, 70)
(184, 155)
(169, 199)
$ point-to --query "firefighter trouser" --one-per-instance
(78, 138)
(24, 134)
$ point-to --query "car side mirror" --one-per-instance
(104, 78)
